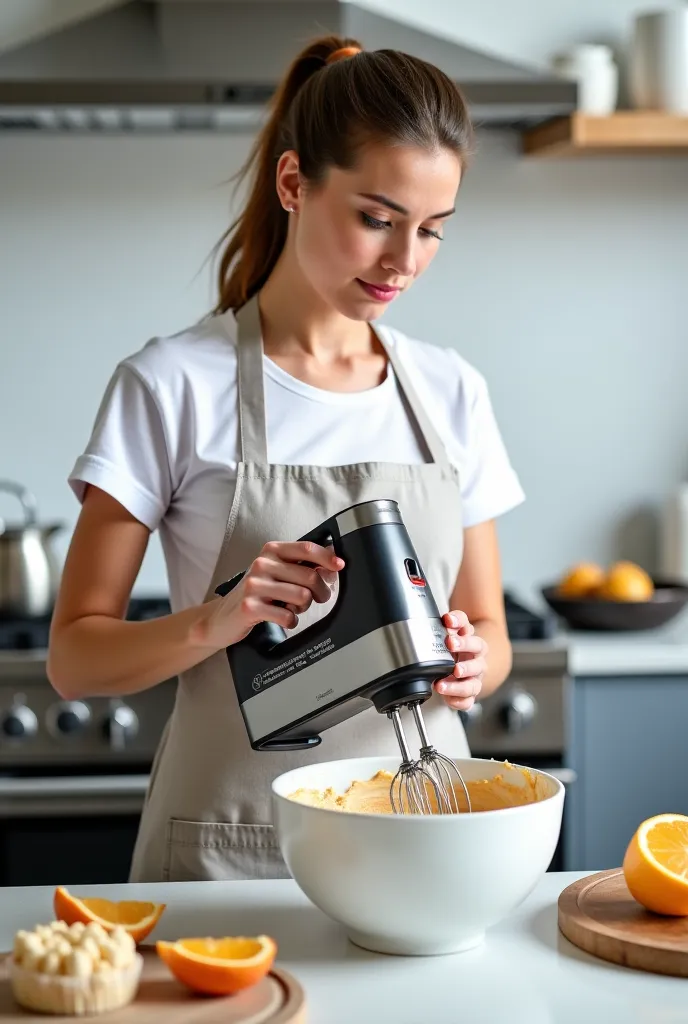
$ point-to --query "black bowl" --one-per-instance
(596, 614)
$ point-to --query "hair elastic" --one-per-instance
(342, 53)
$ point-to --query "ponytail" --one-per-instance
(257, 236)
(334, 98)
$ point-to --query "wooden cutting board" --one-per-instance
(599, 915)
(161, 999)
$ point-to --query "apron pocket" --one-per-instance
(216, 851)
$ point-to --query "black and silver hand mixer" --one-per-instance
(382, 644)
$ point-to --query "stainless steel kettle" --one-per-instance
(29, 572)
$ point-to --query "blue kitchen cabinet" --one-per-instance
(629, 748)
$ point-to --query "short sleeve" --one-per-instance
(490, 485)
(127, 455)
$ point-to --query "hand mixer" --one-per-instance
(382, 644)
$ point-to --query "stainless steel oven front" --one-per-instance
(73, 776)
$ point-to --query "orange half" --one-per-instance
(656, 864)
(139, 919)
(219, 967)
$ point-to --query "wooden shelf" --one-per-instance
(627, 132)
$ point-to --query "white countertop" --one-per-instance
(526, 971)
(644, 652)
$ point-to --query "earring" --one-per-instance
(291, 209)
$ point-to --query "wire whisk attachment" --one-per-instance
(425, 785)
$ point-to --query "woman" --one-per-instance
(285, 406)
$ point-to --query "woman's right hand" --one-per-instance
(275, 575)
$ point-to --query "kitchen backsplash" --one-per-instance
(564, 282)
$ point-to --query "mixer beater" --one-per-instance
(431, 775)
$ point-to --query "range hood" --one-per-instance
(160, 66)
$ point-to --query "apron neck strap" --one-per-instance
(251, 389)
(424, 425)
(252, 422)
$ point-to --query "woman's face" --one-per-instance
(364, 235)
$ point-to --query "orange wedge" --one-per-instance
(219, 967)
(656, 864)
(139, 919)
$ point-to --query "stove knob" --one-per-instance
(69, 717)
(471, 717)
(121, 725)
(19, 723)
(519, 711)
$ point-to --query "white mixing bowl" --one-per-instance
(415, 884)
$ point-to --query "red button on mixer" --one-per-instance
(413, 572)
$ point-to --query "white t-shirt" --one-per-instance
(165, 442)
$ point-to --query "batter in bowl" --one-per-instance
(371, 796)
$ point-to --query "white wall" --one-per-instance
(530, 30)
(104, 243)
(563, 281)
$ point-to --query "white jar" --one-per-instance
(592, 66)
(658, 72)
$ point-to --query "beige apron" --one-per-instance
(208, 809)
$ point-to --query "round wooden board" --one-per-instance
(161, 999)
(599, 915)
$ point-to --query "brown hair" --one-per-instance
(326, 107)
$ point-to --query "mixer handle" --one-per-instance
(264, 634)
(322, 534)
(268, 634)
(225, 588)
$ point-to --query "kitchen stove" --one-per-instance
(31, 634)
(526, 624)
(73, 773)
(39, 730)
(24, 634)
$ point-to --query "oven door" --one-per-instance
(72, 829)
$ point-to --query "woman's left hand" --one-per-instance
(470, 654)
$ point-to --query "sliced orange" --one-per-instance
(219, 967)
(656, 864)
(139, 919)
